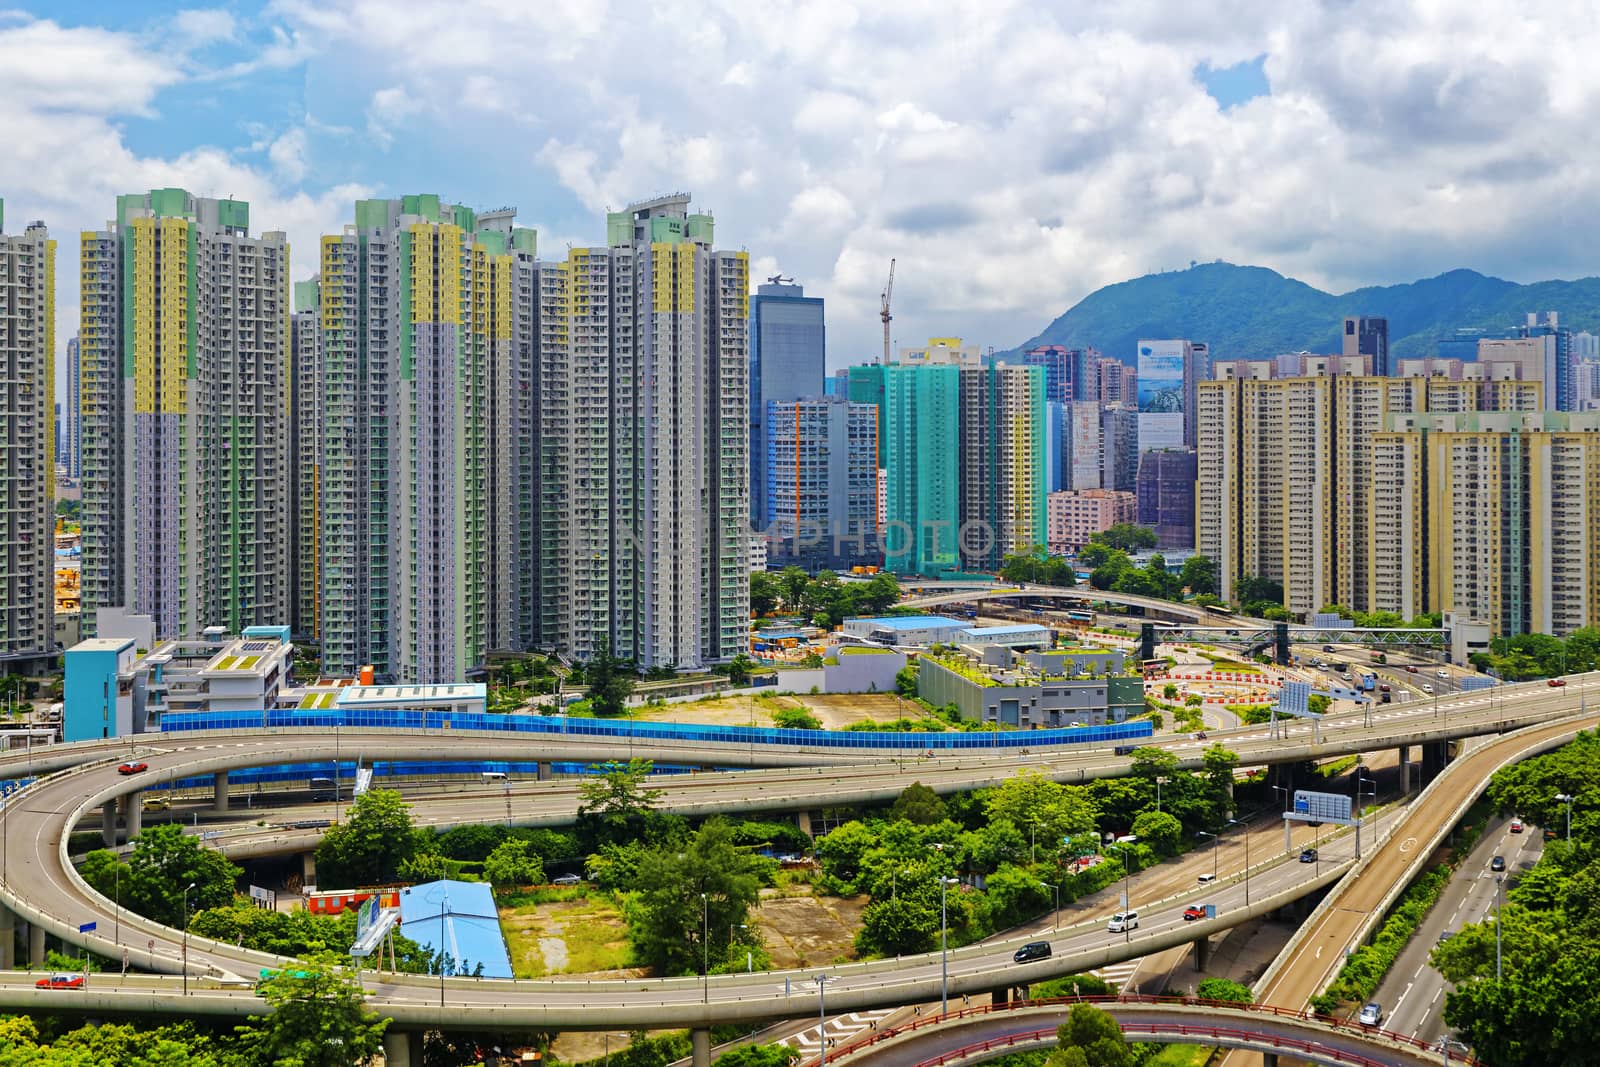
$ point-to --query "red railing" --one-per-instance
(1343, 1025)
(1215, 1033)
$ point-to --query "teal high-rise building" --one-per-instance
(921, 441)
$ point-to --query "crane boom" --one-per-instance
(888, 292)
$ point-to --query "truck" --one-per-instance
(1369, 681)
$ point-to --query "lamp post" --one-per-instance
(1215, 841)
(1127, 891)
(1499, 898)
(116, 898)
(1566, 798)
(1057, 888)
(944, 946)
(822, 1021)
(1246, 828)
(1033, 850)
(705, 948)
(1160, 779)
(186, 937)
(1364, 787)
(731, 928)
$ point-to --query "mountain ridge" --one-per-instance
(1253, 312)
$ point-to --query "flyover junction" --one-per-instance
(39, 884)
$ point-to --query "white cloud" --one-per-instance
(203, 26)
(288, 155)
(389, 107)
(46, 67)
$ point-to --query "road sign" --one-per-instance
(1316, 807)
(363, 780)
(264, 898)
(85, 928)
(1294, 698)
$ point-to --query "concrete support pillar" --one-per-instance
(1202, 954)
(132, 805)
(308, 868)
(803, 820)
(35, 944)
(547, 771)
(700, 1041)
(401, 1048)
(1288, 841)
(8, 939)
(1000, 997)
(1020, 995)
(1269, 1059)
(1405, 769)
(1433, 759)
(108, 823)
(219, 787)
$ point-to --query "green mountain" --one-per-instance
(1256, 313)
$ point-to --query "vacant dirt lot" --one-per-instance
(834, 711)
(806, 931)
(580, 935)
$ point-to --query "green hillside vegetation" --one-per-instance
(1256, 313)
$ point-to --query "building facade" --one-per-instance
(788, 347)
(1368, 336)
(644, 428)
(1166, 497)
(921, 432)
(1076, 516)
(1002, 463)
(184, 352)
(72, 417)
(305, 451)
(27, 444)
(821, 492)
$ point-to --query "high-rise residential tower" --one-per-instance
(644, 427)
(1366, 336)
(305, 447)
(71, 415)
(27, 443)
(787, 356)
(921, 431)
(425, 545)
(184, 356)
(1002, 463)
(822, 483)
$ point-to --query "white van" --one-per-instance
(1122, 922)
(491, 777)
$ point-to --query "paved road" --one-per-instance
(1413, 993)
(1309, 964)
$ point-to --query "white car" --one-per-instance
(1371, 1015)
(1426, 688)
(1122, 922)
(1442, 674)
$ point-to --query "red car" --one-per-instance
(1556, 683)
(133, 768)
(1516, 826)
(1193, 912)
(61, 981)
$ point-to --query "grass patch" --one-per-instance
(1179, 1056)
(1334, 768)
(588, 931)
(1363, 972)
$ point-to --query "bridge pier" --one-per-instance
(35, 944)
(401, 1048)
(308, 868)
(132, 805)
(547, 770)
(219, 789)
(802, 819)
(1434, 757)
(8, 939)
(1269, 1059)
(1405, 769)
(700, 1044)
(108, 823)
(1202, 954)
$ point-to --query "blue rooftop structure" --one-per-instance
(458, 919)
(910, 622)
(1003, 631)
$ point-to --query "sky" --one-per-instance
(1010, 156)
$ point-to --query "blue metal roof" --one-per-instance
(460, 920)
(910, 622)
(1006, 631)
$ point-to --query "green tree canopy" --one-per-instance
(1199, 575)
(611, 682)
(513, 863)
(614, 804)
(764, 593)
(703, 890)
(371, 845)
(1127, 537)
(918, 804)
(318, 1018)
(164, 860)
(1094, 1036)
(1051, 810)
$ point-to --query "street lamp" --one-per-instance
(1048, 885)
(1127, 890)
(822, 1021)
(944, 946)
(1362, 789)
(1246, 828)
(1215, 841)
(1567, 798)
(731, 928)
(705, 948)
(1159, 780)
(186, 937)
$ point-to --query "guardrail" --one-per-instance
(894, 1033)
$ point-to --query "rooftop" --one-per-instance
(418, 694)
(458, 919)
(102, 644)
(910, 622)
(1006, 631)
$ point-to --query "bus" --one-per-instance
(1080, 615)
(1153, 667)
(1218, 609)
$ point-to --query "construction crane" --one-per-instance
(888, 291)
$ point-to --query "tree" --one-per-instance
(1160, 830)
(764, 593)
(163, 862)
(610, 680)
(1199, 575)
(880, 592)
(844, 848)
(688, 895)
(905, 681)
(613, 804)
(1032, 801)
(1095, 1036)
(1127, 537)
(792, 582)
(512, 863)
(423, 867)
(739, 669)
(1015, 894)
(795, 719)
(1254, 594)
(900, 925)
(1219, 763)
(1151, 762)
(919, 805)
(370, 847)
(755, 1056)
(1225, 990)
(318, 1018)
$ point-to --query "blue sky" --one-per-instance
(1011, 156)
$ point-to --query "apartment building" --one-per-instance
(305, 445)
(1287, 475)
(27, 443)
(1002, 462)
(1074, 516)
(184, 352)
(821, 494)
